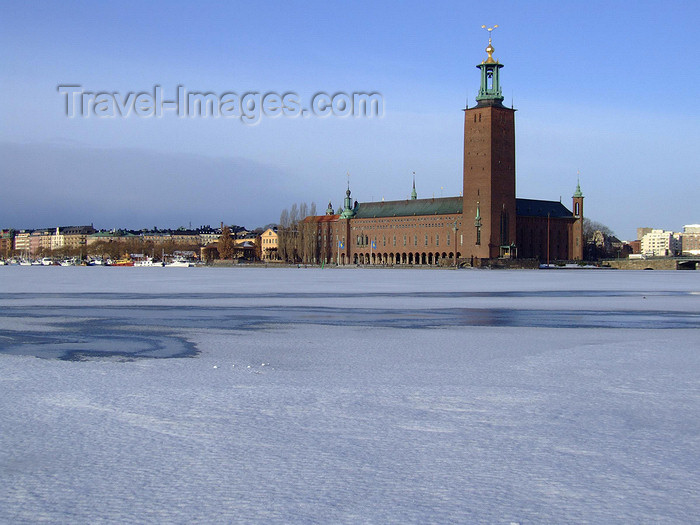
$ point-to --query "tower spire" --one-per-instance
(489, 48)
(348, 211)
(414, 195)
(490, 91)
(578, 193)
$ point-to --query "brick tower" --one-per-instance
(489, 209)
(576, 247)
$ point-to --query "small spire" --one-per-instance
(347, 208)
(577, 193)
(477, 219)
(414, 195)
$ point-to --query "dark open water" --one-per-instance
(78, 326)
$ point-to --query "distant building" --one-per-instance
(690, 239)
(103, 236)
(43, 239)
(6, 242)
(209, 237)
(245, 248)
(661, 243)
(76, 236)
(641, 232)
(22, 242)
(269, 244)
(57, 240)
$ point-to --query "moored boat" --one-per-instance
(124, 261)
(178, 262)
(147, 262)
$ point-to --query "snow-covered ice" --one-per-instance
(346, 396)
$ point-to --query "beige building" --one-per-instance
(661, 243)
(57, 240)
(22, 242)
(208, 238)
(76, 236)
(269, 244)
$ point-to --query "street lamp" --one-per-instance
(454, 227)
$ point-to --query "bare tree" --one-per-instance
(284, 218)
(590, 227)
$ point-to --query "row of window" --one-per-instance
(413, 223)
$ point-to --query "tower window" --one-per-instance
(504, 228)
(478, 235)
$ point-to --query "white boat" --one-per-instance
(46, 261)
(147, 262)
(25, 262)
(178, 262)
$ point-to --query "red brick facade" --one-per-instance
(489, 180)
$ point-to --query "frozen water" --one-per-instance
(345, 396)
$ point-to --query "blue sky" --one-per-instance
(607, 88)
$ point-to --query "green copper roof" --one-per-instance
(578, 193)
(442, 206)
(452, 205)
(348, 211)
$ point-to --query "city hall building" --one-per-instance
(487, 223)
